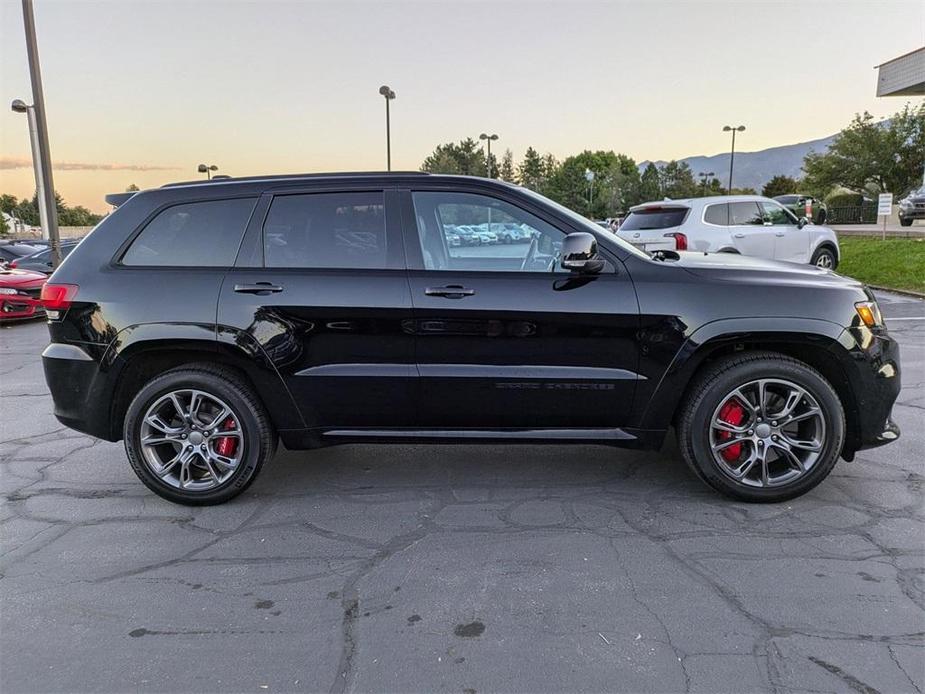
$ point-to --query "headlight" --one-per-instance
(869, 313)
(907, 202)
(8, 290)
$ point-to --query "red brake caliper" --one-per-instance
(227, 445)
(731, 413)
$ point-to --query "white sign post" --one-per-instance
(884, 209)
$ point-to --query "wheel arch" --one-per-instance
(817, 343)
(141, 352)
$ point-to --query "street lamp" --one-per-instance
(20, 106)
(387, 92)
(589, 177)
(488, 140)
(207, 169)
(734, 130)
(704, 177)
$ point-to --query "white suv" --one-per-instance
(746, 224)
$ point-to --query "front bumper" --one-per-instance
(874, 375)
(19, 307)
(912, 212)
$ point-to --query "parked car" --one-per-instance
(469, 236)
(742, 224)
(13, 250)
(20, 292)
(796, 203)
(40, 261)
(912, 207)
(179, 328)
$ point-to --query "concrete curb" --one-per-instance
(904, 292)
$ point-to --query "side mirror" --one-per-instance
(579, 253)
(802, 223)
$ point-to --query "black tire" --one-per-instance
(708, 393)
(824, 257)
(259, 437)
(905, 222)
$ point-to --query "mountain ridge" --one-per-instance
(754, 169)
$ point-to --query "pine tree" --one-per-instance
(531, 170)
(507, 171)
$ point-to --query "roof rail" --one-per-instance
(297, 176)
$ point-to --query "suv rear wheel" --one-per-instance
(761, 427)
(197, 435)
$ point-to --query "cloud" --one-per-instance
(26, 163)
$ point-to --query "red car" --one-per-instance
(19, 294)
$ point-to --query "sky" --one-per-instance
(142, 91)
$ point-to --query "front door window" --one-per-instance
(465, 231)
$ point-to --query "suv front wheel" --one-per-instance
(197, 435)
(761, 427)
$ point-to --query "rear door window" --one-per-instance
(655, 218)
(326, 230)
(194, 234)
(745, 213)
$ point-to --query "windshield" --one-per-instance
(587, 224)
(654, 218)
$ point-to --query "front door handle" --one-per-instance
(452, 291)
(740, 235)
(259, 288)
(778, 233)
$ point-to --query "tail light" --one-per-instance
(58, 297)
(15, 263)
(680, 240)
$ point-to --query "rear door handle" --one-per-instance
(259, 288)
(740, 235)
(778, 233)
(452, 291)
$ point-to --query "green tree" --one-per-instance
(531, 171)
(8, 203)
(650, 187)
(614, 188)
(677, 180)
(780, 185)
(869, 156)
(132, 188)
(4, 227)
(464, 158)
(506, 171)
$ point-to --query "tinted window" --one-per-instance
(335, 230)
(655, 218)
(788, 199)
(462, 231)
(744, 213)
(777, 214)
(196, 234)
(717, 214)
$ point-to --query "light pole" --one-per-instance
(589, 177)
(207, 169)
(389, 95)
(20, 106)
(43, 167)
(488, 140)
(732, 156)
(704, 177)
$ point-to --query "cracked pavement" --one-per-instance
(456, 568)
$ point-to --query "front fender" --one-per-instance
(657, 410)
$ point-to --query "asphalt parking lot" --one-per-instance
(456, 568)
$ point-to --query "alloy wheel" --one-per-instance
(192, 440)
(767, 432)
(824, 260)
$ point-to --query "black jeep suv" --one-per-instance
(202, 321)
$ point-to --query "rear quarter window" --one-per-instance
(656, 218)
(717, 214)
(195, 234)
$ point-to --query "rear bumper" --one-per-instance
(78, 388)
